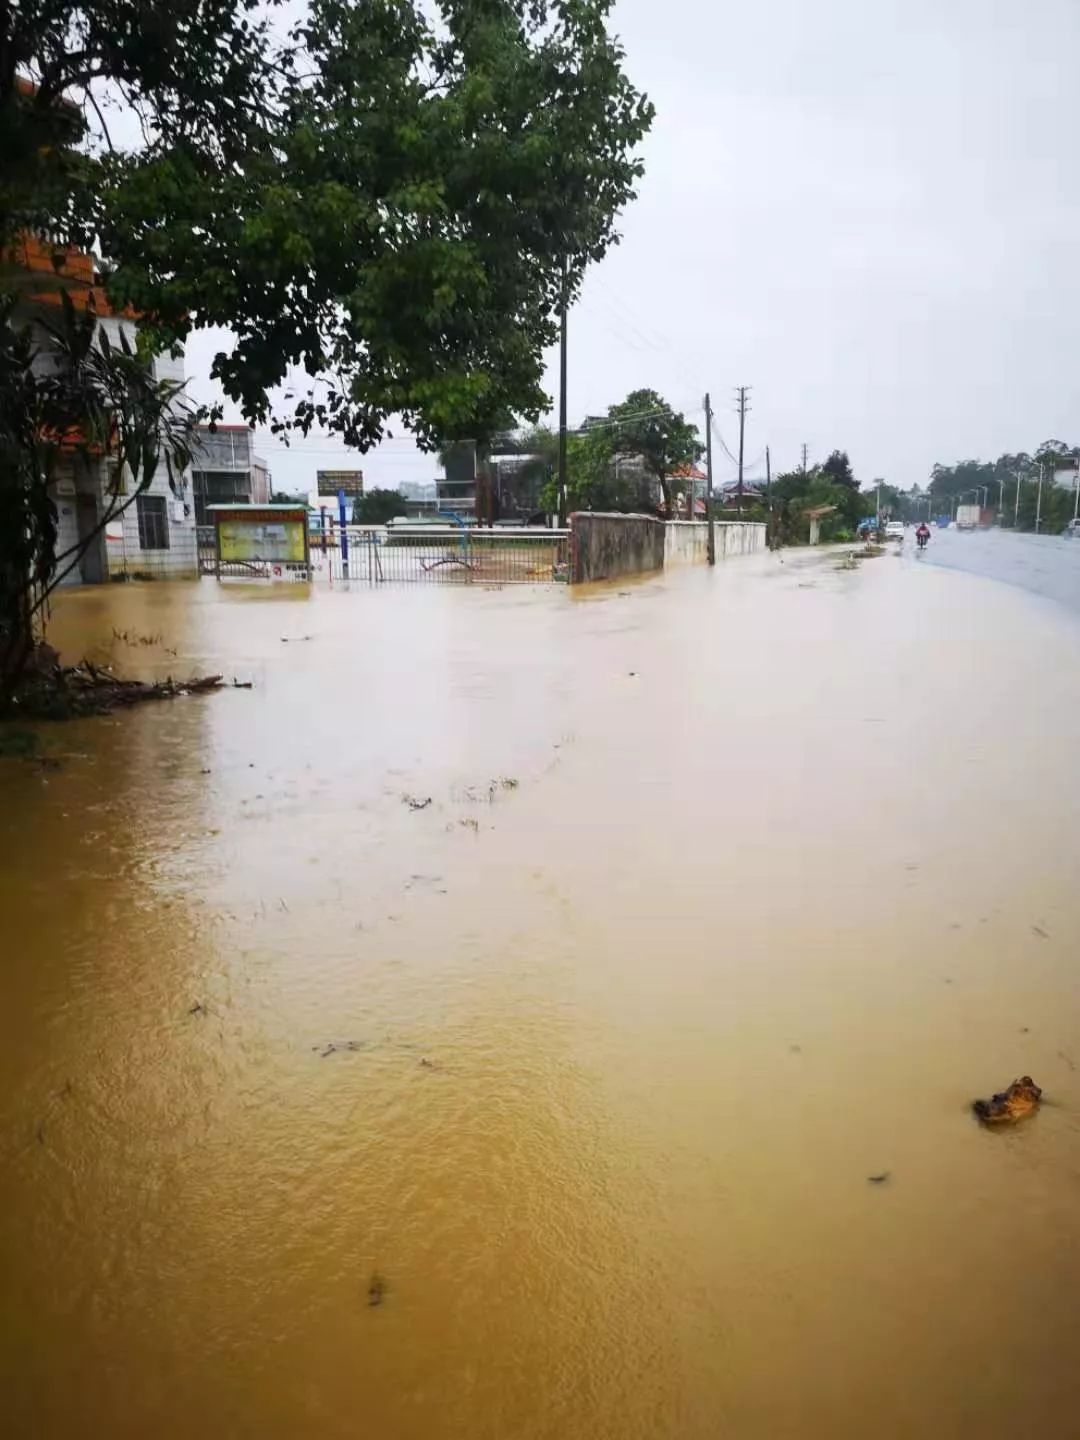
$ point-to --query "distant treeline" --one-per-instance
(1009, 479)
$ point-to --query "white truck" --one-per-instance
(968, 517)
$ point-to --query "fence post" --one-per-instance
(344, 535)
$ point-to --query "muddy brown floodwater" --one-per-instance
(548, 1109)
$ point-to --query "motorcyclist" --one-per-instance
(922, 534)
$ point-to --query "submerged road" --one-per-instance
(551, 1016)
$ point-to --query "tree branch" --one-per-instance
(101, 118)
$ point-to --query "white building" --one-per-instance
(153, 536)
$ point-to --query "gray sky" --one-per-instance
(868, 210)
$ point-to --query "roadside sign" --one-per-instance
(334, 482)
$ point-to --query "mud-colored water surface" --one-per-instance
(733, 890)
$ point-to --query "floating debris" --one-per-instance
(879, 1179)
(132, 637)
(333, 1046)
(1019, 1100)
(1040, 932)
(416, 803)
(376, 1290)
(61, 692)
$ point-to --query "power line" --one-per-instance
(723, 442)
(658, 341)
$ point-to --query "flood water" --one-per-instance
(733, 890)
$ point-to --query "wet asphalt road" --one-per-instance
(1047, 565)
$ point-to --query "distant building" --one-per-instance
(420, 490)
(688, 486)
(421, 498)
(729, 494)
(155, 535)
(458, 495)
(226, 471)
(517, 481)
(456, 490)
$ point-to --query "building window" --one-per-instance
(153, 522)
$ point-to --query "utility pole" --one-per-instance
(1076, 500)
(804, 457)
(742, 407)
(1038, 501)
(1016, 507)
(562, 401)
(708, 483)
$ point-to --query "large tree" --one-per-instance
(421, 187)
(645, 425)
(393, 197)
(598, 477)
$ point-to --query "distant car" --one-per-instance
(1072, 530)
(894, 530)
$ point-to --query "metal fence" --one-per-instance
(443, 555)
(207, 549)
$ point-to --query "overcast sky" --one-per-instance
(868, 210)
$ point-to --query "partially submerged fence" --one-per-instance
(442, 555)
(596, 547)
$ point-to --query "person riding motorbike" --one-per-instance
(922, 535)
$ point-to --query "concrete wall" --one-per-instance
(604, 546)
(686, 541)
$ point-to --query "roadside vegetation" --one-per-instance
(1004, 479)
(376, 507)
